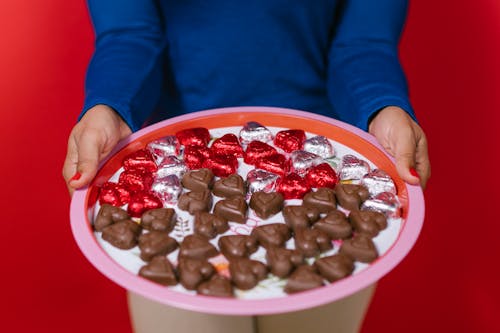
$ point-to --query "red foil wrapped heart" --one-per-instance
(113, 194)
(290, 140)
(257, 150)
(141, 202)
(228, 144)
(194, 156)
(140, 160)
(221, 165)
(277, 164)
(197, 136)
(293, 186)
(136, 180)
(322, 175)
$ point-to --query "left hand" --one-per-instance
(405, 140)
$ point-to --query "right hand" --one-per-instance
(90, 141)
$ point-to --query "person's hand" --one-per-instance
(90, 141)
(403, 139)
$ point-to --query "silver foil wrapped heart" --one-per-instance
(301, 161)
(171, 165)
(261, 180)
(254, 131)
(378, 181)
(319, 145)
(353, 168)
(167, 188)
(384, 202)
(166, 146)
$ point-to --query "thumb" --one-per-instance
(88, 151)
(404, 153)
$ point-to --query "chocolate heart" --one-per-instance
(230, 186)
(159, 270)
(233, 209)
(160, 219)
(246, 273)
(198, 180)
(303, 278)
(311, 242)
(351, 196)
(300, 216)
(217, 286)
(155, 243)
(122, 234)
(197, 247)
(237, 245)
(368, 222)
(277, 164)
(108, 215)
(360, 248)
(335, 225)
(266, 204)
(274, 234)
(209, 225)
(335, 267)
(195, 201)
(283, 261)
(323, 199)
(192, 272)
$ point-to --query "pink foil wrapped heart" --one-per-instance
(290, 140)
(171, 165)
(353, 168)
(261, 180)
(301, 161)
(277, 164)
(322, 175)
(378, 181)
(385, 202)
(253, 131)
(168, 145)
(167, 188)
(320, 146)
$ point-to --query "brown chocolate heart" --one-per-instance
(335, 267)
(209, 225)
(351, 196)
(122, 234)
(303, 278)
(266, 204)
(246, 273)
(323, 199)
(311, 242)
(300, 216)
(237, 245)
(195, 201)
(360, 248)
(233, 209)
(160, 219)
(218, 286)
(108, 215)
(283, 261)
(155, 243)
(368, 222)
(233, 185)
(198, 180)
(274, 234)
(159, 270)
(335, 225)
(192, 272)
(197, 247)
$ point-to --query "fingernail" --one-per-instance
(414, 173)
(76, 176)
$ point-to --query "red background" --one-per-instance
(449, 282)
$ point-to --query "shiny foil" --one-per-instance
(301, 161)
(293, 186)
(320, 146)
(385, 202)
(171, 165)
(221, 165)
(322, 175)
(261, 180)
(378, 181)
(277, 164)
(228, 144)
(168, 188)
(140, 160)
(198, 136)
(113, 194)
(253, 131)
(136, 180)
(353, 168)
(194, 156)
(168, 145)
(141, 202)
(290, 140)
(257, 150)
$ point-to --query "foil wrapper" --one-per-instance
(253, 131)
(320, 146)
(166, 146)
(290, 140)
(228, 144)
(353, 168)
(378, 181)
(194, 156)
(257, 150)
(171, 165)
(113, 194)
(261, 180)
(301, 161)
(139, 160)
(385, 202)
(293, 186)
(221, 165)
(141, 202)
(136, 180)
(277, 164)
(167, 188)
(197, 136)
(322, 175)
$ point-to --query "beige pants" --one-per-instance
(343, 316)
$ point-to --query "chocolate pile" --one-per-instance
(339, 210)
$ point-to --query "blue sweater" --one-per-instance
(159, 59)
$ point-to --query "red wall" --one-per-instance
(448, 282)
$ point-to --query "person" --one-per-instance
(156, 59)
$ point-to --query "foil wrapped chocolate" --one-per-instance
(353, 168)
(320, 146)
(385, 202)
(378, 181)
(261, 180)
(301, 161)
(171, 165)
(166, 146)
(167, 188)
(254, 131)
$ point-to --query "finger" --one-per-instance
(88, 150)
(404, 153)
(70, 163)
(422, 166)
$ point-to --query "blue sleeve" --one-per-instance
(125, 70)
(364, 72)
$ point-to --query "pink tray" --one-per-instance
(411, 198)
